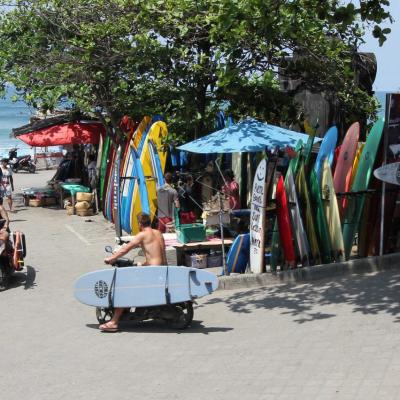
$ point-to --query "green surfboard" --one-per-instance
(103, 164)
(307, 209)
(321, 225)
(361, 180)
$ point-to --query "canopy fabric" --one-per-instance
(70, 133)
(248, 135)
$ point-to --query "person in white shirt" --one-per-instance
(6, 183)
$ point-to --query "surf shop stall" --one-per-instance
(325, 206)
(80, 139)
(309, 227)
(249, 136)
(326, 203)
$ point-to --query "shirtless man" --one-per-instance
(152, 243)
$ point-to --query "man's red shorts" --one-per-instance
(188, 217)
(162, 224)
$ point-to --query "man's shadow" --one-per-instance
(161, 327)
(25, 278)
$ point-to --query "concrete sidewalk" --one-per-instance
(335, 338)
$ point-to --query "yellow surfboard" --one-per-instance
(331, 210)
(156, 134)
(356, 160)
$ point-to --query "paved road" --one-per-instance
(335, 339)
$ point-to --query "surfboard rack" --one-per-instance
(128, 177)
(362, 192)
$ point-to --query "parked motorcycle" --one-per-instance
(12, 253)
(18, 163)
(177, 316)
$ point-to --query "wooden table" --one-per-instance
(181, 249)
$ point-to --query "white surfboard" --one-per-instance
(389, 173)
(143, 286)
(331, 210)
(257, 219)
(303, 247)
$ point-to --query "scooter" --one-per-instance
(12, 255)
(177, 315)
(21, 163)
(6, 266)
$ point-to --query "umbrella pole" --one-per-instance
(221, 226)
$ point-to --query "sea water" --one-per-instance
(13, 115)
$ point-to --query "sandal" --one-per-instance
(107, 328)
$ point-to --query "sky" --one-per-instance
(388, 56)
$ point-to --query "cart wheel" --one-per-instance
(184, 318)
(104, 315)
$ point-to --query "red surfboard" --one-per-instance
(107, 184)
(344, 164)
(285, 231)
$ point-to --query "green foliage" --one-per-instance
(186, 59)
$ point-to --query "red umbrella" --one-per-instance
(70, 133)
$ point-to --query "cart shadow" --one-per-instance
(160, 327)
(24, 278)
(369, 294)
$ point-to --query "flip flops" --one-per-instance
(107, 328)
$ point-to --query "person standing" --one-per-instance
(6, 183)
(186, 200)
(231, 189)
(92, 172)
(167, 198)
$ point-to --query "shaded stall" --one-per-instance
(62, 131)
(246, 136)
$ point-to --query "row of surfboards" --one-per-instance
(131, 172)
(315, 222)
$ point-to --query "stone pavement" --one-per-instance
(336, 338)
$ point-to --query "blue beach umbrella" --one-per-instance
(248, 135)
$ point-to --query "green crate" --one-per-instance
(190, 233)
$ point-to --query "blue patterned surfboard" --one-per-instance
(326, 150)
